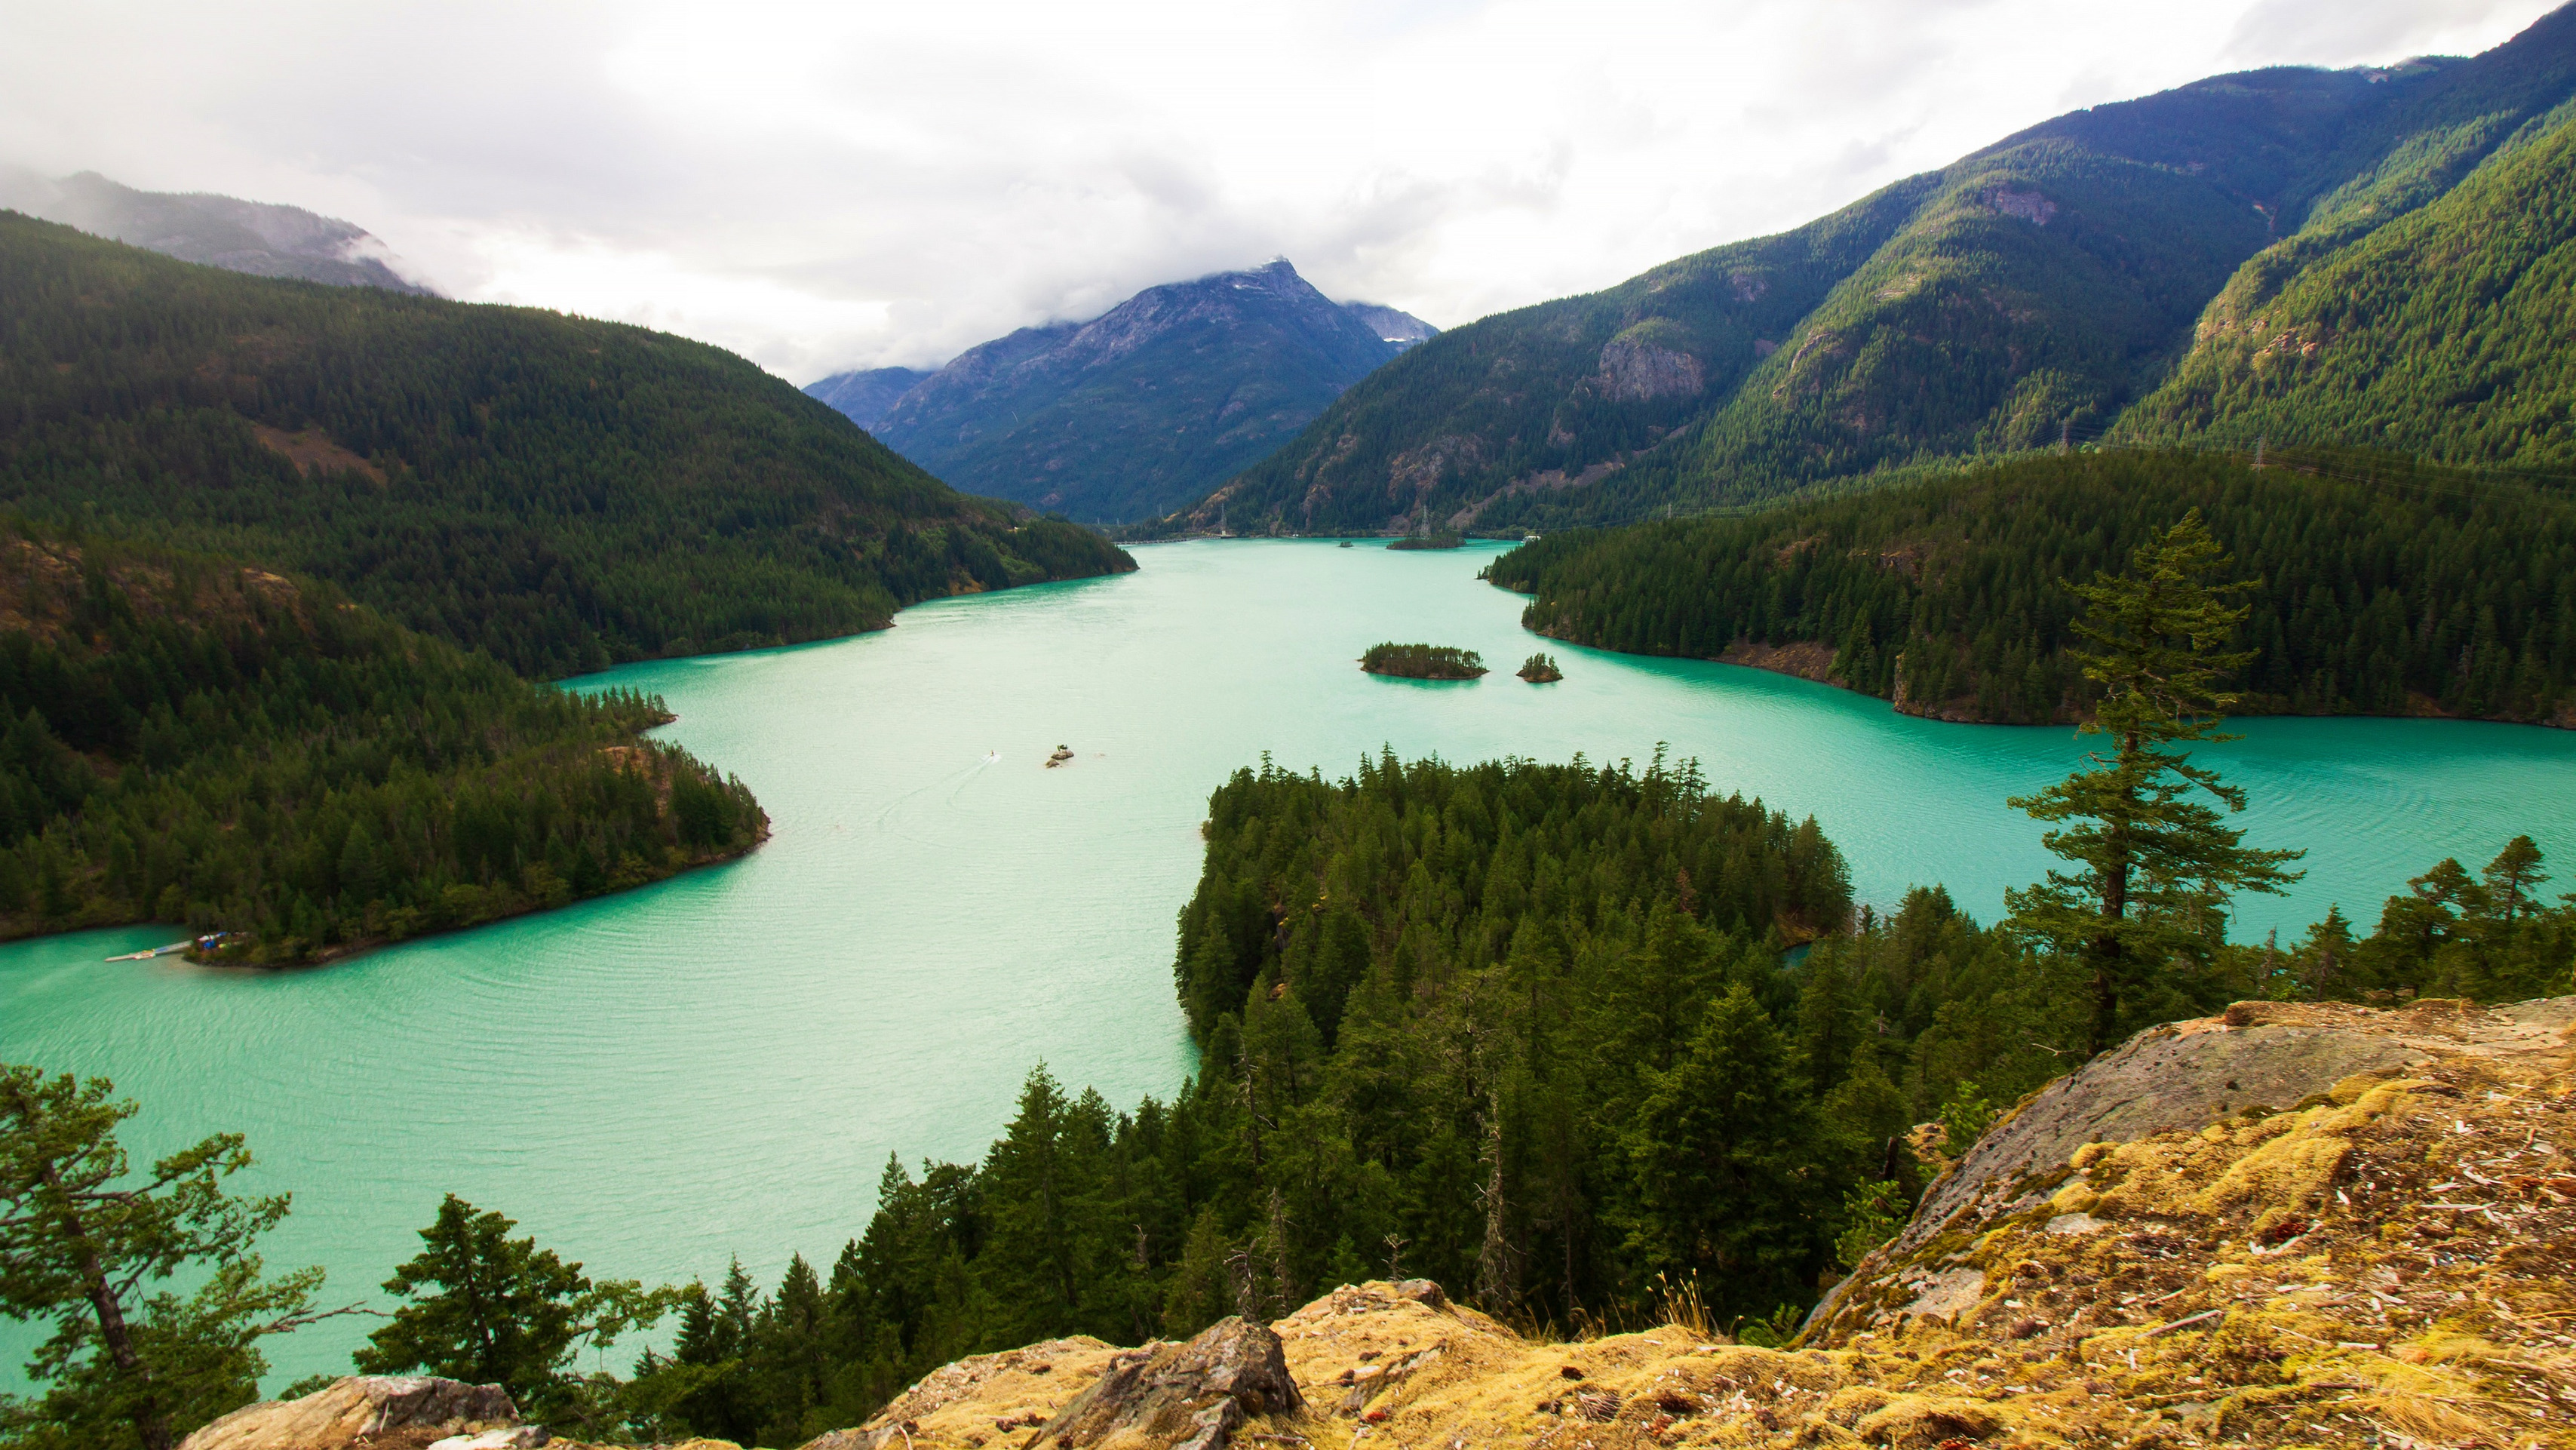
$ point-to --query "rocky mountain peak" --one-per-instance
(1150, 403)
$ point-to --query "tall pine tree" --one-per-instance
(2155, 864)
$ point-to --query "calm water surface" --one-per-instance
(721, 1064)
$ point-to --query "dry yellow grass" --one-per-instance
(2386, 1264)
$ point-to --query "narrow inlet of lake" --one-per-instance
(721, 1064)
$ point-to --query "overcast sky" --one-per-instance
(858, 184)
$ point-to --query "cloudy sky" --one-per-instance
(857, 184)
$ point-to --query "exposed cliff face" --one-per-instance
(1153, 402)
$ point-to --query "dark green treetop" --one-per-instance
(490, 1309)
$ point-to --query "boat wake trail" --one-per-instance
(953, 782)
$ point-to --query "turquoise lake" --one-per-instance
(720, 1064)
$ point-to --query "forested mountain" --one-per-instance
(2032, 291)
(2387, 588)
(260, 238)
(561, 492)
(1148, 405)
(863, 397)
(2443, 334)
(186, 738)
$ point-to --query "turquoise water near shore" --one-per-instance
(721, 1063)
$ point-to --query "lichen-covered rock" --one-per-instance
(358, 1408)
(966, 1402)
(2382, 1253)
(1190, 1396)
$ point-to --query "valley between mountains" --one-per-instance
(561, 889)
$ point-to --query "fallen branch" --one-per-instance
(2185, 1322)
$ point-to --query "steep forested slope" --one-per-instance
(186, 738)
(1145, 406)
(2443, 334)
(2029, 292)
(2386, 590)
(561, 492)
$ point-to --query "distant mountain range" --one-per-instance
(259, 238)
(863, 397)
(1145, 407)
(2373, 257)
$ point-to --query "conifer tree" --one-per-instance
(81, 1241)
(2155, 865)
(1720, 1146)
(503, 1311)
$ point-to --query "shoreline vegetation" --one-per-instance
(281, 566)
(195, 740)
(1423, 662)
(1443, 539)
(1536, 1031)
(2382, 587)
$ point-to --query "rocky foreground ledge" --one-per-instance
(2287, 1225)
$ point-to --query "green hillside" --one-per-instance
(185, 738)
(2401, 592)
(2443, 334)
(561, 492)
(2031, 291)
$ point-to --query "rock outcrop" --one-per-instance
(412, 1410)
(1192, 1396)
(2287, 1225)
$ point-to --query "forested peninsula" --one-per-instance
(2384, 587)
(192, 739)
(283, 560)
(563, 493)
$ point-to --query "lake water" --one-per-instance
(720, 1064)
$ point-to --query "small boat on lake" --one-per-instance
(151, 952)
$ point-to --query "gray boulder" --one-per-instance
(1189, 1396)
(360, 1407)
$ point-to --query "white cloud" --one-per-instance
(821, 186)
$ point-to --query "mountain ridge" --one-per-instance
(2033, 290)
(262, 239)
(1147, 404)
(562, 492)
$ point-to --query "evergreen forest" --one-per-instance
(561, 493)
(1541, 1033)
(2385, 588)
(1422, 661)
(184, 738)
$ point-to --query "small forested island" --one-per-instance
(1540, 669)
(1423, 662)
(1444, 539)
